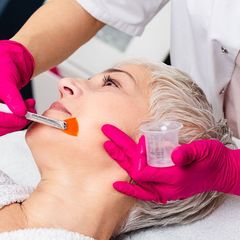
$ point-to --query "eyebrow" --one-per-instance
(111, 70)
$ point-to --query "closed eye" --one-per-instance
(108, 81)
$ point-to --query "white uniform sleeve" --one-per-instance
(129, 16)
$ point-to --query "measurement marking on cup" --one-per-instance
(161, 139)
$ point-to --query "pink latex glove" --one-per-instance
(17, 122)
(16, 69)
(201, 166)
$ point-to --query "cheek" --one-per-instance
(126, 114)
(44, 136)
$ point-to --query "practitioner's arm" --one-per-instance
(55, 31)
(51, 34)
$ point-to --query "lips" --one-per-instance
(59, 107)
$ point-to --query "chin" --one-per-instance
(43, 136)
(42, 133)
(39, 134)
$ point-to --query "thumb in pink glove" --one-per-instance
(201, 166)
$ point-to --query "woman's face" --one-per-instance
(117, 96)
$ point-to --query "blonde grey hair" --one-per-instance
(174, 96)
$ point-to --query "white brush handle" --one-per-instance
(38, 118)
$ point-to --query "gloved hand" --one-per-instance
(17, 123)
(16, 69)
(201, 166)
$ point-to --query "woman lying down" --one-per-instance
(75, 198)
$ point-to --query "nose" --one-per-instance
(70, 87)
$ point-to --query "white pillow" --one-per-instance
(16, 159)
(223, 223)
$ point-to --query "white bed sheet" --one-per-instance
(224, 223)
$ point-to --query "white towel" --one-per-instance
(10, 192)
(42, 234)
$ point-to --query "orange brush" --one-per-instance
(71, 126)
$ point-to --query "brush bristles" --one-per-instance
(72, 126)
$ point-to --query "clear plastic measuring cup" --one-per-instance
(161, 138)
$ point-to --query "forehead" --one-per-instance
(141, 74)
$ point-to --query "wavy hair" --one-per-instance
(174, 96)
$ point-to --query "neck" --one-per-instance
(94, 211)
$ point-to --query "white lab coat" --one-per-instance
(205, 36)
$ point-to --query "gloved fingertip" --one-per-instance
(105, 128)
(177, 155)
(123, 187)
(111, 149)
(118, 186)
(180, 156)
(108, 146)
(30, 103)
